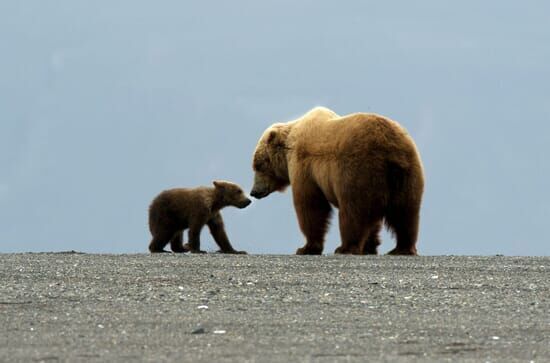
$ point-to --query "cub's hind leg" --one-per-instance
(176, 243)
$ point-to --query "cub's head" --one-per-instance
(270, 163)
(232, 194)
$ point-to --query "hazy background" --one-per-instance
(104, 104)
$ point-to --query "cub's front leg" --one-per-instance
(217, 229)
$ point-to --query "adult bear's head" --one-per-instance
(270, 162)
(271, 156)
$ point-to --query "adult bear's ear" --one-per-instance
(276, 138)
(272, 137)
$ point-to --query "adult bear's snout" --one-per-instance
(258, 194)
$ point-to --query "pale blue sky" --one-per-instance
(104, 104)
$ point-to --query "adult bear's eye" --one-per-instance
(258, 166)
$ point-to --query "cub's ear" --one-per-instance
(218, 184)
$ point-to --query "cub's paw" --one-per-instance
(239, 252)
(159, 251)
(344, 251)
(188, 248)
(179, 249)
(200, 252)
(234, 252)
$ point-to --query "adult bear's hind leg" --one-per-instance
(403, 214)
(371, 240)
(351, 232)
(404, 224)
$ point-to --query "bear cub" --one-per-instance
(176, 210)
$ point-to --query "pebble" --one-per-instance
(199, 330)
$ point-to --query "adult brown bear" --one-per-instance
(366, 165)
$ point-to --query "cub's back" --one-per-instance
(180, 201)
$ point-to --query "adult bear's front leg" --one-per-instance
(313, 212)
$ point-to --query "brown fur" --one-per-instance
(365, 165)
(175, 210)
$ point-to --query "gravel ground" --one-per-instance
(226, 308)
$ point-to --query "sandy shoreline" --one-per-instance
(265, 308)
